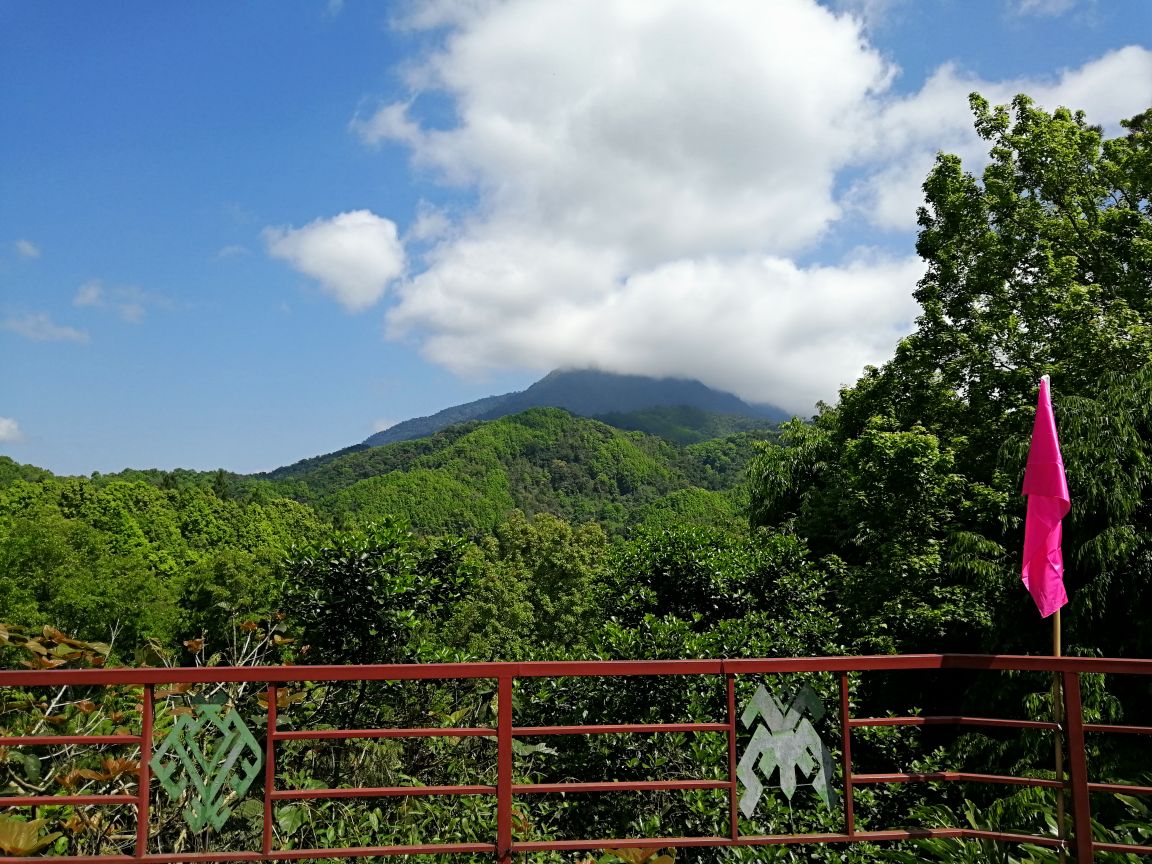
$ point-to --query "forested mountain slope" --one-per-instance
(150, 553)
(468, 478)
(681, 410)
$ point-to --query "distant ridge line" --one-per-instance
(586, 393)
(618, 400)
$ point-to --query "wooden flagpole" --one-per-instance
(1058, 717)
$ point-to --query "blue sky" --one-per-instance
(240, 234)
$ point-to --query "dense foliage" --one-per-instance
(891, 522)
(1041, 266)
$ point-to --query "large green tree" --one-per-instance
(371, 596)
(1041, 264)
(539, 593)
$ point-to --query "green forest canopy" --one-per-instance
(891, 522)
(903, 495)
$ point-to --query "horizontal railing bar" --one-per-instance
(573, 846)
(619, 729)
(478, 731)
(575, 668)
(1120, 788)
(139, 677)
(88, 859)
(386, 672)
(612, 668)
(39, 800)
(1130, 848)
(949, 720)
(666, 842)
(1013, 837)
(1043, 663)
(861, 663)
(617, 786)
(45, 740)
(956, 777)
(415, 732)
(276, 855)
(378, 792)
(780, 839)
(897, 662)
(377, 851)
(1122, 730)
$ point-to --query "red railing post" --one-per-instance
(144, 781)
(846, 757)
(269, 770)
(733, 782)
(1078, 767)
(504, 767)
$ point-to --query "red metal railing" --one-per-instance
(505, 791)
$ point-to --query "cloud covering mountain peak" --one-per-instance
(678, 188)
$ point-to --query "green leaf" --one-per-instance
(250, 809)
(32, 771)
(291, 819)
(522, 749)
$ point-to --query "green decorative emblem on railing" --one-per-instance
(785, 740)
(209, 754)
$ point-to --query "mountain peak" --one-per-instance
(587, 393)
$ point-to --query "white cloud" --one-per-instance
(757, 325)
(382, 424)
(91, 293)
(233, 250)
(27, 249)
(354, 256)
(432, 223)
(429, 14)
(873, 14)
(130, 302)
(39, 327)
(10, 430)
(646, 175)
(1112, 88)
(912, 130)
(1042, 8)
(387, 123)
(131, 313)
(661, 129)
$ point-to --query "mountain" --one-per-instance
(680, 410)
(587, 393)
(469, 477)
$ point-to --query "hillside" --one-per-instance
(678, 410)
(683, 424)
(469, 477)
(587, 393)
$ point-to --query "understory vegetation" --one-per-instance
(891, 522)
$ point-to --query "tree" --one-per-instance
(67, 574)
(360, 596)
(1043, 264)
(540, 594)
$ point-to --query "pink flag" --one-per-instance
(1048, 502)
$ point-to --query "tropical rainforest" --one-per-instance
(891, 522)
